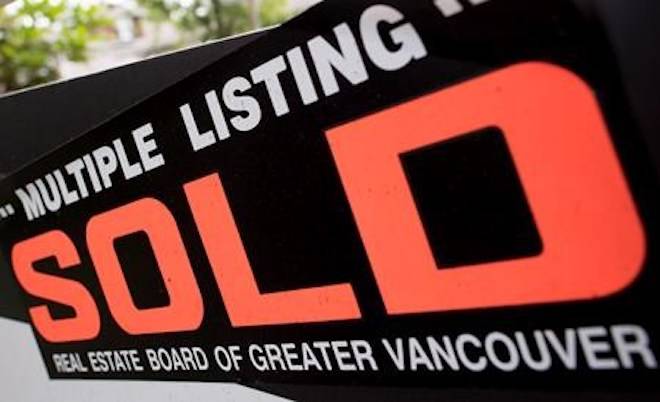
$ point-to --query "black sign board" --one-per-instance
(434, 193)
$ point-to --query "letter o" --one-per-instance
(186, 309)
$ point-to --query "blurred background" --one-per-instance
(47, 40)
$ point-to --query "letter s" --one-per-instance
(86, 323)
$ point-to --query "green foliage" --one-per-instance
(213, 19)
(34, 34)
(273, 12)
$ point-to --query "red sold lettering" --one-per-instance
(593, 241)
(186, 308)
(229, 262)
(86, 322)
